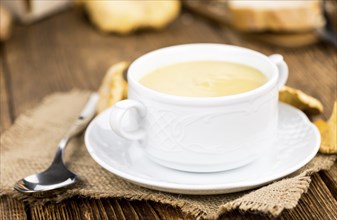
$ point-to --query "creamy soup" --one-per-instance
(204, 79)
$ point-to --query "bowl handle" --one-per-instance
(130, 112)
(282, 67)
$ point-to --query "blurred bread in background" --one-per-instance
(127, 16)
(285, 23)
(278, 16)
(5, 23)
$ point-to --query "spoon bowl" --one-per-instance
(57, 175)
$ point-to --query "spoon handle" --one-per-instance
(82, 121)
(85, 117)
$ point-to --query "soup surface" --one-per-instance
(204, 79)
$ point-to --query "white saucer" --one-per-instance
(297, 143)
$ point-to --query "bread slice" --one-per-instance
(276, 15)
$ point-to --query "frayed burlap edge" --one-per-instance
(242, 204)
(303, 180)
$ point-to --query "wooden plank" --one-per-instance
(169, 212)
(237, 215)
(118, 209)
(5, 116)
(109, 209)
(144, 210)
(330, 179)
(12, 209)
(128, 210)
(73, 208)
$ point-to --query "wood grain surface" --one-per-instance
(65, 52)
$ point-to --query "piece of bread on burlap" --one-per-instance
(328, 130)
(114, 86)
(280, 16)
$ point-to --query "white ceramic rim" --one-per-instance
(270, 84)
(199, 189)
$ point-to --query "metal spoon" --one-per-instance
(57, 175)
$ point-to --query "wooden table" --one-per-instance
(65, 52)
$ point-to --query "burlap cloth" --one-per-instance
(29, 146)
